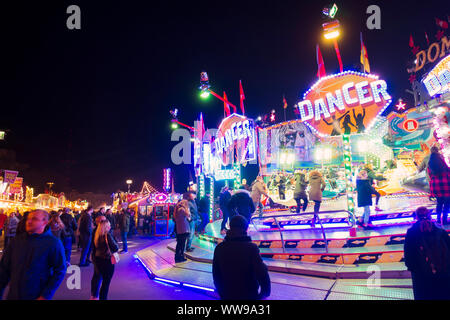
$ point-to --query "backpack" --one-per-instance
(434, 251)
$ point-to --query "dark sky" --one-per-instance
(89, 108)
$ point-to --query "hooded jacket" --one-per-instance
(258, 189)
(33, 265)
(317, 185)
(238, 270)
(364, 189)
(182, 215)
(241, 203)
(300, 186)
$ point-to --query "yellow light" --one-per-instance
(332, 34)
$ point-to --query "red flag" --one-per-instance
(284, 103)
(441, 23)
(411, 41)
(321, 66)
(226, 107)
(426, 37)
(241, 96)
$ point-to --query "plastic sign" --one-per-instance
(433, 52)
(410, 125)
(344, 103)
(235, 131)
(438, 80)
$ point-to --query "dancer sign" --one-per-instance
(344, 103)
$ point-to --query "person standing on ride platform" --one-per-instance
(242, 204)
(364, 190)
(427, 257)
(224, 198)
(317, 186)
(439, 174)
(373, 176)
(258, 189)
(190, 197)
(300, 191)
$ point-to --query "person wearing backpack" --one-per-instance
(427, 257)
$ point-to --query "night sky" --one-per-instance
(89, 108)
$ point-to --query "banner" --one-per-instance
(16, 187)
(10, 176)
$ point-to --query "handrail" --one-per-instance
(275, 217)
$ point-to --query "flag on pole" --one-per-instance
(320, 64)
(426, 37)
(226, 107)
(241, 96)
(284, 103)
(441, 23)
(364, 57)
(411, 41)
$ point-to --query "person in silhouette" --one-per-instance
(359, 119)
(347, 123)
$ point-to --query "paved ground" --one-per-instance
(130, 282)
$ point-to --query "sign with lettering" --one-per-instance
(437, 80)
(433, 53)
(344, 103)
(10, 176)
(16, 187)
(237, 133)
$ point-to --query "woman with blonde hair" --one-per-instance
(316, 187)
(104, 246)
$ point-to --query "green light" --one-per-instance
(333, 11)
(204, 94)
(174, 125)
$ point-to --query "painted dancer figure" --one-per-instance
(336, 124)
(359, 119)
(347, 123)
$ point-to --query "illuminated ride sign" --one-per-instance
(438, 79)
(235, 133)
(344, 103)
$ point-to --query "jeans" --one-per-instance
(192, 224)
(204, 221)
(366, 215)
(124, 234)
(67, 244)
(103, 273)
(305, 203)
(85, 243)
(316, 210)
(225, 216)
(442, 208)
(181, 245)
(258, 208)
(377, 196)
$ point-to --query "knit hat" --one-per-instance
(238, 222)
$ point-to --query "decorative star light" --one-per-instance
(400, 105)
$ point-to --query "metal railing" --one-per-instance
(280, 229)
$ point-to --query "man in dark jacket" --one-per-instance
(190, 197)
(203, 210)
(238, 270)
(85, 228)
(427, 256)
(33, 264)
(70, 226)
(241, 203)
(124, 226)
(224, 198)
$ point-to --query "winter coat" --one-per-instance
(421, 250)
(224, 198)
(69, 223)
(85, 225)
(238, 270)
(193, 209)
(439, 184)
(316, 187)
(300, 186)
(3, 218)
(364, 190)
(124, 221)
(33, 265)
(182, 215)
(241, 203)
(11, 226)
(258, 189)
(112, 221)
(102, 250)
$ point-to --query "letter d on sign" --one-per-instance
(74, 21)
(74, 281)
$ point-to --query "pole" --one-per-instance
(338, 55)
(222, 99)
